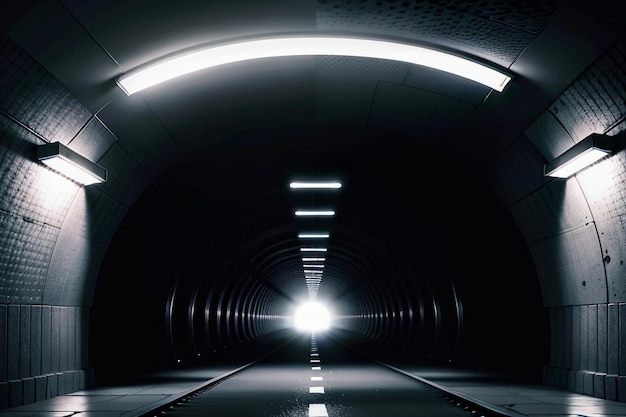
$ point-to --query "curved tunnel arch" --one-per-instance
(394, 283)
(572, 229)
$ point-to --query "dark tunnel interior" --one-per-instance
(419, 265)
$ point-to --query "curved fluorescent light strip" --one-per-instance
(312, 45)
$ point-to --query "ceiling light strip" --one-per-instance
(314, 185)
(313, 235)
(212, 56)
(314, 213)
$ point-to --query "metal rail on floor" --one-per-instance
(159, 408)
(477, 407)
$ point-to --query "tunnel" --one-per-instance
(445, 242)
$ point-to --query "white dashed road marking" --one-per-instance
(317, 410)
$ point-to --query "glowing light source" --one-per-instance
(314, 213)
(313, 249)
(586, 152)
(216, 55)
(62, 159)
(313, 235)
(312, 317)
(332, 185)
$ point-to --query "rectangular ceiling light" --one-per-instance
(62, 159)
(210, 56)
(313, 235)
(315, 185)
(313, 249)
(315, 213)
(313, 259)
(586, 152)
(313, 266)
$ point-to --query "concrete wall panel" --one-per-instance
(4, 332)
(24, 337)
(35, 340)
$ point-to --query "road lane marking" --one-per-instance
(317, 410)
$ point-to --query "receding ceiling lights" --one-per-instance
(306, 45)
(313, 249)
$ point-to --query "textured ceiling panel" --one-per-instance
(361, 68)
(596, 101)
(499, 30)
(33, 96)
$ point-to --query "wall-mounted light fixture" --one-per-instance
(586, 152)
(215, 55)
(62, 159)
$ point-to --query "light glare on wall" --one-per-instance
(213, 56)
(585, 153)
(62, 159)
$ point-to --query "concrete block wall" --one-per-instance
(42, 354)
(574, 228)
(50, 239)
(588, 354)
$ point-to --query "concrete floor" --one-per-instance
(228, 382)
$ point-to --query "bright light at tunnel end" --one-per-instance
(312, 317)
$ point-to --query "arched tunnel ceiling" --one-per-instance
(215, 150)
(241, 132)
